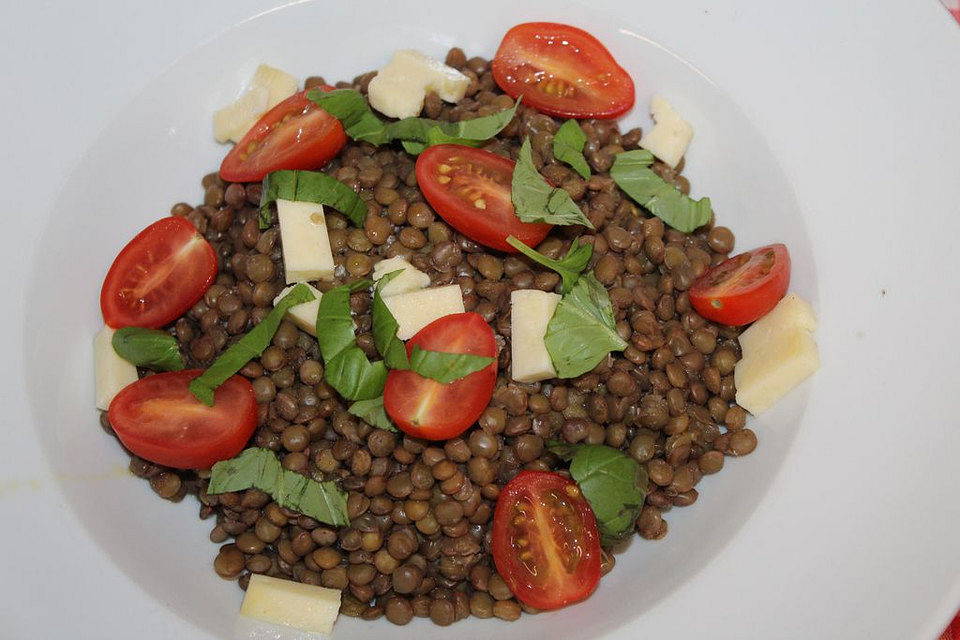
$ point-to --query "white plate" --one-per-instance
(842, 524)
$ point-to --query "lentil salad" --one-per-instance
(419, 535)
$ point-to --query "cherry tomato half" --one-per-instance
(425, 408)
(160, 274)
(470, 189)
(545, 540)
(562, 71)
(744, 288)
(295, 134)
(158, 419)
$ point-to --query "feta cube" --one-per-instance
(411, 278)
(306, 246)
(530, 312)
(670, 136)
(293, 604)
(414, 310)
(111, 372)
(399, 88)
(778, 354)
(303, 315)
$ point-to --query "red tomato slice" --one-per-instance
(295, 134)
(158, 419)
(160, 274)
(545, 540)
(425, 408)
(562, 71)
(470, 189)
(953, 631)
(744, 288)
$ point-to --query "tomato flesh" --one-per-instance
(158, 419)
(295, 134)
(160, 274)
(545, 540)
(744, 288)
(425, 408)
(470, 189)
(562, 71)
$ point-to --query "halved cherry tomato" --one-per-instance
(744, 288)
(545, 540)
(562, 71)
(160, 274)
(470, 189)
(953, 631)
(425, 408)
(158, 419)
(295, 134)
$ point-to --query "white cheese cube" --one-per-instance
(670, 136)
(416, 309)
(268, 88)
(306, 246)
(530, 312)
(399, 88)
(411, 278)
(292, 604)
(233, 121)
(112, 373)
(303, 315)
(778, 354)
(279, 84)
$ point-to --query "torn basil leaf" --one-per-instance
(372, 412)
(149, 348)
(385, 328)
(613, 483)
(416, 134)
(354, 377)
(631, 171)
(258, 468)
(582, 330)
(534, 200)
(346, 367)
(248, 347)
(446, 367)
(351, 109)
(569, 266)
(310, 186)
(568, 144)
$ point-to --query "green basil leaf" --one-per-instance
(385, 328)
(534, 200)
(257, 468)
(568, 144)
(412, 147)
(419, 133)
(310, 186)
(351, 109)
(334, 324)
(613, 483)
(346, 367)
(354, 376)
(446, 367)
(150, 348)
(248, 347)
(372, 412)
(416, 134)
(582, 330)
(631, 172)
(569, 266)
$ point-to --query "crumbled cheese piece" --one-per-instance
(670, 136)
